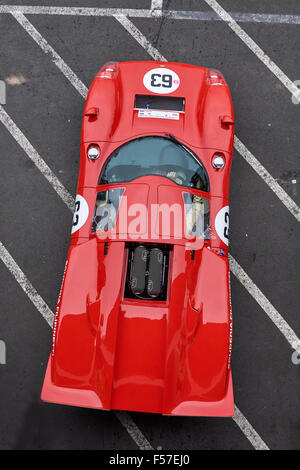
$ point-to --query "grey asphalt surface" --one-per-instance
(35, 223)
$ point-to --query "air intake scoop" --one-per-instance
(147, 271)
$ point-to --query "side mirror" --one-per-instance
(92, 112)
(227, 120)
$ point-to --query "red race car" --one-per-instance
(143, 320)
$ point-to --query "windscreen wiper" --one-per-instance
(176, 141)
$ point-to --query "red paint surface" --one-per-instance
(170, 356)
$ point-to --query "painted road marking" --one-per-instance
(30, 151)
(241, 33)
(240, 17)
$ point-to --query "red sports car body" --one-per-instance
(143, 320)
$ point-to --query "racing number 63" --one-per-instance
(164, 80)
(161, 80)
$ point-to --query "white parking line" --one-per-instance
(248, 430)
(76, 11)
(268, 179)
(241, 17)
(48, 315)
(139, 37)
(264, 303)
(241, 33)
(55, 57)
(18, 135)
(26, 285)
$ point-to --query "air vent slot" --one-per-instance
(147, 271)
(165, 103)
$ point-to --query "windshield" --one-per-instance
(155, 156)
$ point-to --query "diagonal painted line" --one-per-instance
(156, 7)
(254, 47)
(48, 315)
(240, 17)
(55, 57)
(248, 430)
(26, 285)
(268, 179)
(18, 135)
(139, 37)
(263, 302)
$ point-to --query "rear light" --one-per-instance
(109, 70)
(214, 77)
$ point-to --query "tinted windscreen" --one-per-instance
(154, 156)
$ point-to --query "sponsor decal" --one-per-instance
(152, 113)
(161, 80)
(81, 213)
(222, 224)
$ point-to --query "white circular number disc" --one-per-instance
(222, 224)
(161, 80)
(81, 213)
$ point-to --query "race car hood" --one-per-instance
(169, 357)
(115, 106)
